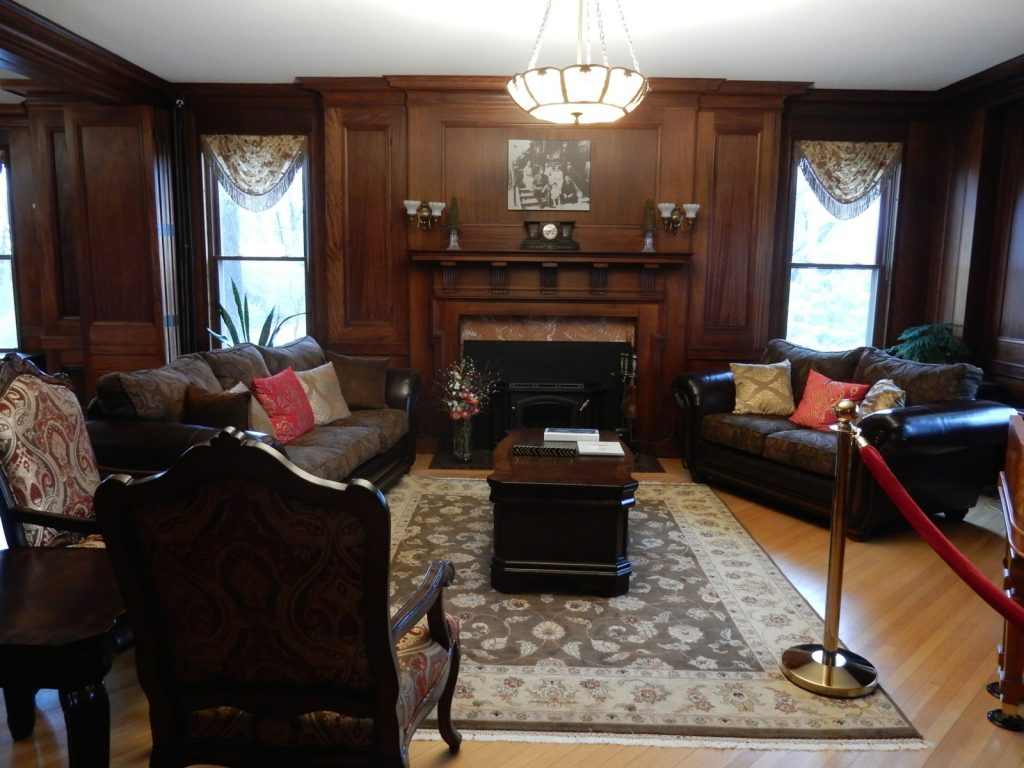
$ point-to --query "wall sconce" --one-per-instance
(675, 216)
(424, 214)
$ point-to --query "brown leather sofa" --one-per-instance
(944, 451)
(130, 433)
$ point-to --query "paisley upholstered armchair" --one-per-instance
(260, 599)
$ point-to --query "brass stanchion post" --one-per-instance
(826, 668)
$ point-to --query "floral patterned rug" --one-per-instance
(690, 655)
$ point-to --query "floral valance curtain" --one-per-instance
(847, 176)
(256, 171)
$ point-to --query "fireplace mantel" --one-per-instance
(648, 291)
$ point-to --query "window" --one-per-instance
(8, 310)
(843, 216)
(256, 194)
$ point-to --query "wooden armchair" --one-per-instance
(48, 471)
(260, 600)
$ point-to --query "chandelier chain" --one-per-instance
(629, 40)
(600, 32)
(540, 36)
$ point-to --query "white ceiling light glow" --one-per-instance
(585, 93)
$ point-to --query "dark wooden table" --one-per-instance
(561, 522)
(61, 623)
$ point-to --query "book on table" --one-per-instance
(571, 434)
(601, 448)
(547, 448)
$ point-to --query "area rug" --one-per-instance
(689, 656)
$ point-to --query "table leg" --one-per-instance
(87, 720)
(21, 710)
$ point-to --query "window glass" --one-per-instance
(263, 255)
(8, 309)
(835, 272)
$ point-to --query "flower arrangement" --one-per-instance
(466, 390)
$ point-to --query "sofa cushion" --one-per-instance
(159, 393)
(324, 393)
(838, 366)
(285, 402)
(817, 409)
(883, 394)
(744, 432)
(333, 452)
(763, 389)
(923, 382)
(240, 363)
(363, 379)
(112, 399)
(217, 409)
(300, 355)
(810, 449)
(390, 424)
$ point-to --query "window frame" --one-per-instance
(214, 250)
(885, 247)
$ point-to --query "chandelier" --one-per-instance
(585, 93)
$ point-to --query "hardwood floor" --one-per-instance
(932, 640)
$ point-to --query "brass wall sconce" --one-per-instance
(675, 216)
(425, 214)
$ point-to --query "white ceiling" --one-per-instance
(873, 44)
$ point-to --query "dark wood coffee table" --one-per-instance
(560, 523)
(62, 621)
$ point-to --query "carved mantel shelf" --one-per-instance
(561, 273)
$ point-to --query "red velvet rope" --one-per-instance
(963, 567)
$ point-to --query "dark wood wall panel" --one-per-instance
(737, 157)
(112, 171)
(112, 160)
(363, 267)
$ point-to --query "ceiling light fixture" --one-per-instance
(585, 93)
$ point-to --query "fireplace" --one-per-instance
(549, 383)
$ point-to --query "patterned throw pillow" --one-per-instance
(324, 393)
(285, 402)
(763, 389)
(258, 419)
(817, 406)
(883, 394)
(46, 453)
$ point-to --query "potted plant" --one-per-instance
(238, 327)
(930, 343)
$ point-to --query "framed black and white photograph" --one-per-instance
(548, 175)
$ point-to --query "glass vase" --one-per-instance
(462, 439)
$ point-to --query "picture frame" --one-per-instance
(549, 175)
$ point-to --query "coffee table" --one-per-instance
(560, 523)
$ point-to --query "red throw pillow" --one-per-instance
(285, 402)
(821, 395)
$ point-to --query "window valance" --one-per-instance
(847, 176)
(255, 171)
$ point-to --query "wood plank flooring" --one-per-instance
(932, 640)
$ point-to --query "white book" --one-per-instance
(602, 448)
(572, 434)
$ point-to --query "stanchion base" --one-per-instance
(847, 677)
(993, 689)
(1005, 721)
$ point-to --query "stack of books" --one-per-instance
(569, 442)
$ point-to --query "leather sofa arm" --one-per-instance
(696, 395)
(938, 427)
(402, 389)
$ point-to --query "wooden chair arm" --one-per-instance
(27, 516)
(426, 601)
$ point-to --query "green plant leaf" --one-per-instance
(265, 330)
(270, 341)
(229, 324)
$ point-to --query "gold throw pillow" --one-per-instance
(763, 389)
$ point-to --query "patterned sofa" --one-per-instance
(141, 421)
(944, 445)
